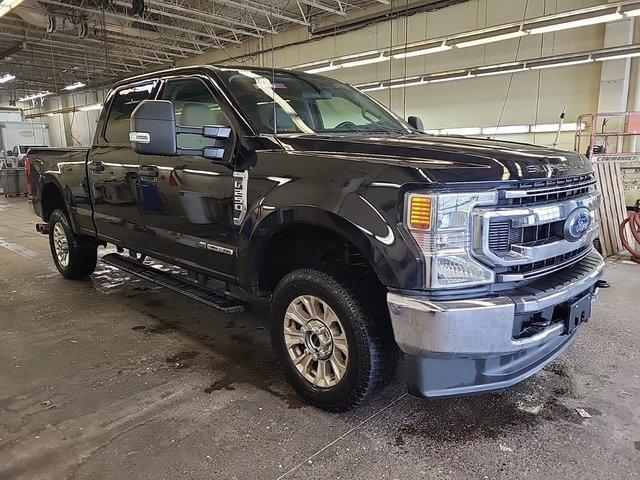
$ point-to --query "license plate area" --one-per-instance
(577, 313)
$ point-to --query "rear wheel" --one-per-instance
(331, 334)
(75, 256)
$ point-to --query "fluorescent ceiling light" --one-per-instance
(617, 54)
(75, 85)
(630, 10)
(373, 88)
(95, 106)
(408, 84)
(34, 96)
(418, 50)
(448, 78)
(617, 57)
(574, 21)
(366, 60)
(404, 82)
(505, 130)
(324, 68)
(7, 5)
(6, 78)
(487, 37)
(54, 114)
(462, 131)
(553, 127)
(499, 69)
(559, 63)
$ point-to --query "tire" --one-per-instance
(82, 251)
(363, 320)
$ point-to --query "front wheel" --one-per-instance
(331, 334)
(75, 256)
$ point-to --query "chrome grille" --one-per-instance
(525, 241)
(501, 235)
(536, 269)
(548, 190)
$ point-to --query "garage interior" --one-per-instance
(115, 377)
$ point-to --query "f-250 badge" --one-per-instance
(240, 180)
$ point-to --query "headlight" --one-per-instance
(441, 225)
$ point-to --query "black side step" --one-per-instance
(222, 302)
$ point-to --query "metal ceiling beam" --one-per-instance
(42, 41)
(203, 23)
(126, 25)
(204, 14)
(78, 60)
(322, 6)
(178, 48)
(60, 60)
(261, 9)
(147, 22)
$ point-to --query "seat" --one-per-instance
(197, 115)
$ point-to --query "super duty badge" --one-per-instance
(240, 180)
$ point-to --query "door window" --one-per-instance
(194, 106)
(123, 104)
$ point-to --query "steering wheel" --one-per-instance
(346, 125)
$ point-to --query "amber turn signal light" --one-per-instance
(420, 212)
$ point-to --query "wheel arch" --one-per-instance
(51, 198)
(305, 237)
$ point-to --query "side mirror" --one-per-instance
(416, 122)
(152, 128)
(153, 131)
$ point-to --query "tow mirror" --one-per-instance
(153, 128)
(416, 122)
(153, 131)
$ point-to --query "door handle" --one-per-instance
(96, 167)
(148, 172)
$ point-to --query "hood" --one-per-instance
(447, 158)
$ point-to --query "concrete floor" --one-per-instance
(116, 378)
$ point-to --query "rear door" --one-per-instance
(112, 169)
(192, 216)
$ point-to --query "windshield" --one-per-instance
(285, 102)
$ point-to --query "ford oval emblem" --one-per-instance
(577, 224)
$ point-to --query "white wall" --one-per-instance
(528, 98)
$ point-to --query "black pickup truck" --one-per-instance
(474, 257)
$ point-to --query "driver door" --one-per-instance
(188, 199)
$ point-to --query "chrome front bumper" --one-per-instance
(466, 346)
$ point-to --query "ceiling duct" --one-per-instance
(36, 14)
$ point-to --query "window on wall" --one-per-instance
(122, 106)
(194, 106)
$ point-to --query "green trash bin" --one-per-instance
(10, 181)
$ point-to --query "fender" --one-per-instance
(50, 179)
(404, 269)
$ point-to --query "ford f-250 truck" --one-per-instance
(475, 257)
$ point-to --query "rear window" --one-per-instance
(122, 106)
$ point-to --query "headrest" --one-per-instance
(196, 115)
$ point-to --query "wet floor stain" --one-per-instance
(241, 358)
(182, 359)
(225, 383)
(487, 416)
